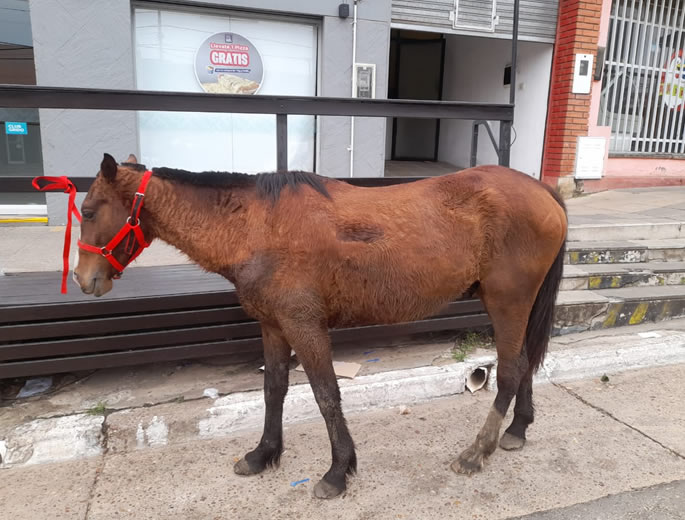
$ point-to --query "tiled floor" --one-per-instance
(418, 168)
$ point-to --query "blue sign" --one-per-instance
(12, 128)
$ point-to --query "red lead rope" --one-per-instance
(65, 185)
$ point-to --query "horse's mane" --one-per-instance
(268, 185)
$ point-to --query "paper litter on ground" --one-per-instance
(292, 353)
(341, 368)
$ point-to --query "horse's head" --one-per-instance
(104, 211)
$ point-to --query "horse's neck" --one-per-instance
(209, 226)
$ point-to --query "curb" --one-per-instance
(81, 435)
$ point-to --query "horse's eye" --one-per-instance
(88, 214)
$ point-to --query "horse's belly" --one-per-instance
(370, 304)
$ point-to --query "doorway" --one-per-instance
(416, 72)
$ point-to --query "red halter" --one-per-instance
(130, 230)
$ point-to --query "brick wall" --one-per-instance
(567, 118)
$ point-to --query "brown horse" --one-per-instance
(308, 253)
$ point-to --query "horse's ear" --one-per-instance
(108, 167)
(132, 159)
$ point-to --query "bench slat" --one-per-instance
(126, 323)
(234, 347)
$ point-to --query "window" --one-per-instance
(19, 154)
(167, 45)
(15, 149)
(642, 91)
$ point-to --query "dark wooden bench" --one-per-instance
(153, 314)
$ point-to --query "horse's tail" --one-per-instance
(541, 316)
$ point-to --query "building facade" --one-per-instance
(627, 130)
(598, 86)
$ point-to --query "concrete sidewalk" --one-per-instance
(39, 248)
(591, 439)
(629, 206)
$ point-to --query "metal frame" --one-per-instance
(474, 141)
(28, 96)
(631, 101)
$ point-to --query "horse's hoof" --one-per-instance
(511, 442)
(325, 490)
(469, 462)
(242, 467)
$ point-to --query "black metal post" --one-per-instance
(282, 142)
(514, 53)
(505, 126)
(505, 143)
(474, 144)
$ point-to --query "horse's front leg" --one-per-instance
(312, 346)
(276, 366)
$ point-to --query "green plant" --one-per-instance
(459, 354)
(468, 342)
(98, 409)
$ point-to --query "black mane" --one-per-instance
(135, 166)
(268, 185)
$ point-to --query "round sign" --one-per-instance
(672, 85)
(227, 63)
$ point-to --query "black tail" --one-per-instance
(542, 315)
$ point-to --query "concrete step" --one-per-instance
(625, 251)
(583, 310)
(627, 231)
(616, 276)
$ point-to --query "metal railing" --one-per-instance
(22, 96)
(643, 87)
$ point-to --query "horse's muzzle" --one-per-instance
(97, 286)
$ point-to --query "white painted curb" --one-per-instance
(587, 362)
(245, 410)
(53, 440)
(80, 435)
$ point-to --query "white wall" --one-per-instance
(474, 71)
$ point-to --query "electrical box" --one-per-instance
(365, 80)
(582, 74)
(344, 10)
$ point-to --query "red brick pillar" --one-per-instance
(568, 113)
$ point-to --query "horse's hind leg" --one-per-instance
(515, 436)
(509, 314)
(276, 365)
